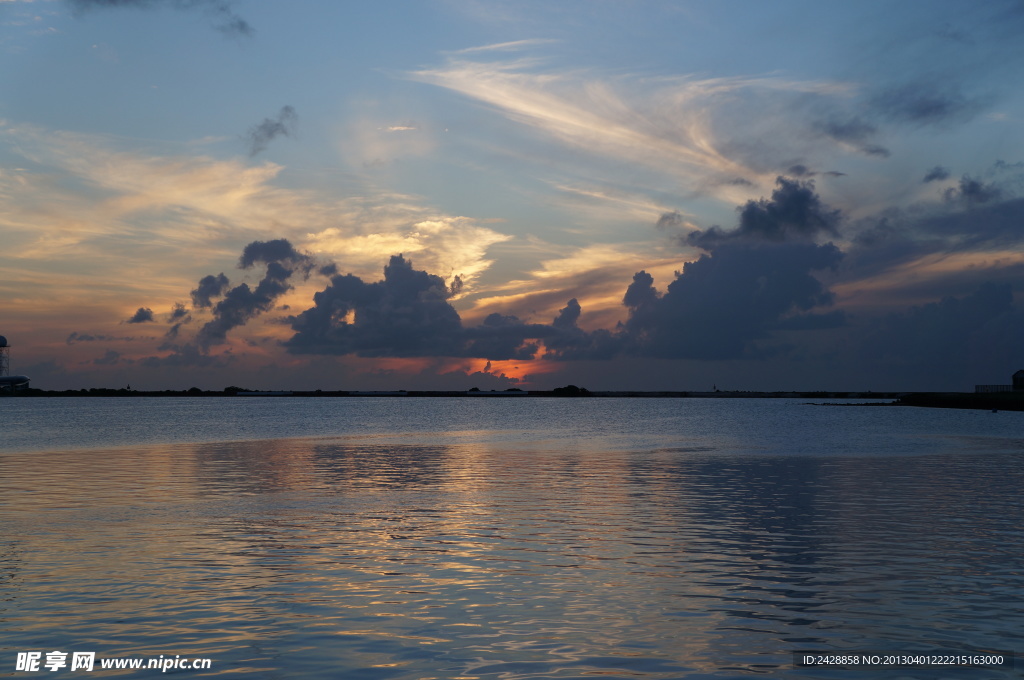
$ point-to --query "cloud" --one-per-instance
(854, 132)
(179, 314)
(670, 221)
(594, 275)
(209, 287)
(86, 337)
(925, 103)
(503, 337)
(754, 280)
(795, 211)
(941, 336)
(142, 315)
(800, 170)
(510, 46)
(975, 233)
(93, 203)
(111, 358)
(225, 19)
(242, 303)
(722, 303)
(407, 314)
(455, 245)
(259, 136)
(570, 342)
(936, 174)
(75, 337)
(972, 192)
(237, 305)
(187, 355)
(669, 125)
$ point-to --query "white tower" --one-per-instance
(5, 357)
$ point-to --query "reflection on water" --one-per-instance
(367, 558)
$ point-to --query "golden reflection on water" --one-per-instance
(476, 560)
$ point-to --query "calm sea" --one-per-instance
(439, 538)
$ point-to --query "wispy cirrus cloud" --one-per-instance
(89, 196)
(670, 125)
(510, 46)
(132, 226)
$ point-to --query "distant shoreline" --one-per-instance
(563, 392)
(1004, 401)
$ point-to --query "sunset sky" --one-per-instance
(411, 195)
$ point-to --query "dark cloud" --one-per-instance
(172, 332)
(936, 174)
(640, 294)
(185, 355)
(739, 181)
(986, 221)
(242, 303)
(405, 314)
(221, 11)
(179, 314)
(503, 337)
(925, 103)
(937, 336)
(800, 170)
(570, 342)
(209, 287)
(853, 131)
(110, 358)
(670, 221)
(277, 250)
(721, 304)
(142, 315)
(755, 288)
(261, 135)
(971, 218)
(754, 280)
(813, 321)
(886, 241)
(568, 315)
(972, 192)
(76, 337)
(85, 337)
(793, 212)
(1003, 166)
(994, 350)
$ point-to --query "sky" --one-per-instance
(449, 194)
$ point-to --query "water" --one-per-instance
(512, 539)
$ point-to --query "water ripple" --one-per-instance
(364, 558)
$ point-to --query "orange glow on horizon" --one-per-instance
(515, 369)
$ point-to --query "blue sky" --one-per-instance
(785, 195)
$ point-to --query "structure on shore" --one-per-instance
(1017, 386)
(8, 381)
